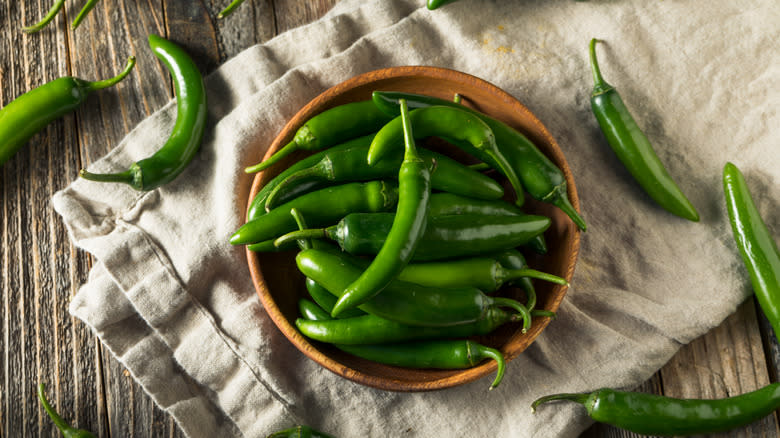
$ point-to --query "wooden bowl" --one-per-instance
(280, 285)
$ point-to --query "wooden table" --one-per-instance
(41, 270)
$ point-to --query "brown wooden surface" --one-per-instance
(40, 270)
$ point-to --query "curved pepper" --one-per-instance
(632, 146)
(177, 152)
(32, 111)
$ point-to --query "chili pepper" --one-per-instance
(448, 175)
(632, 146)
(404, 302)
(435, 4)
(461, 128)
(67, 430)
(540, 177)
(312, 311)
(445, 236)
(327, 300)
(653, 414)
(440, 354)
(55, 9)
(32, 111)
(298, 431)
(322, 207)
(257, 207)
(83, 13)
(177, 152)
(230, 8)
(486, 273)
(756, 245)
(483, 273)
(329, 128)
(372, 329)
(441, 204)
(408, 227)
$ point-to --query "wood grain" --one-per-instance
(40, 270)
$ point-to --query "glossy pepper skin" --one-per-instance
(176, 154)
(320, 207)
(406, 231)
(32, 111)
(440, 354)
(441, 204)
(329, 128)
(445, 236)
(257, 206)
(632, 146)
(462, 128)
(539, 176)
(67, 430)
(403, 302)
(652, 414)
(372, 329)
(436, 4)
(755, 242)
(335, 167)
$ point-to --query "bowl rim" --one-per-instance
(319, 104)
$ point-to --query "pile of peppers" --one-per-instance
(406, 251)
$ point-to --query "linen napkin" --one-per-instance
(173, 301)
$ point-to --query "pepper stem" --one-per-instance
(83, 13)
(55, 9)
(229, 9)
(99, 85)
(521, 309)
(410, 148)
(128, 176)
(482, 352)
(599, 85)
(577, 398)
(273, 159)
(320, 171)
(312, 233)
(55, 417)
(296, 214)
(513, 274)
(542, 312)
(479, 167)
(509, 173)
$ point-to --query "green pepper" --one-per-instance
(652, 414)
(257, 206)
(342, 166)
(440, 354)
(32, 111)
(321, 207)
(330, 128)
(178, 151)
(756, 245)
(539, 176)
(462, 128)
(403, 302)
(632, 146)
(445, 236)
(408, 227)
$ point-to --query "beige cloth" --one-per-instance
(173, 301)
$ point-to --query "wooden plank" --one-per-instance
(294, 13)
(729, 360)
